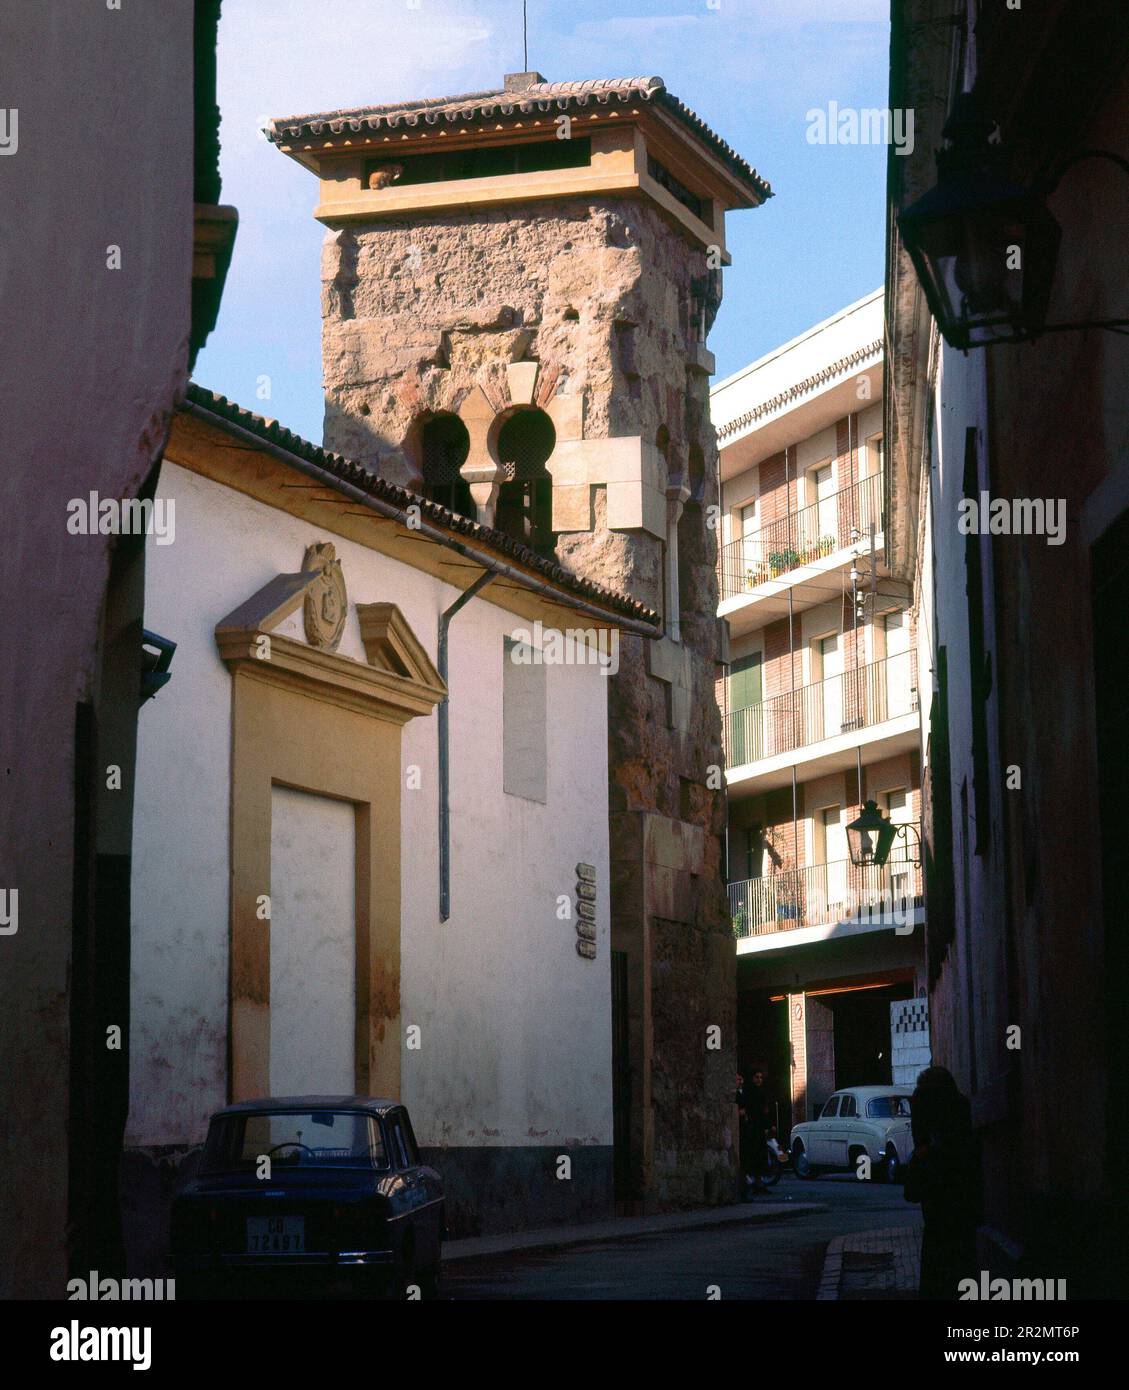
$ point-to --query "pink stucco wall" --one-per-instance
(91, 362)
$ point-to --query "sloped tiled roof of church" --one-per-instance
(546, 97)
(358, 476)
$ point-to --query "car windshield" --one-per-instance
(888, 1108)
(294, 1139)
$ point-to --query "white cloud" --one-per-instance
(283, 59)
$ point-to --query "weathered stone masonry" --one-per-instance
(588, 294)
(421, 315)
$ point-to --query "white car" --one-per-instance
(871, 1120)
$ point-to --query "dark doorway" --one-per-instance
(862, 1034)
(762, 1041)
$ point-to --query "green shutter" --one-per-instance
(745, 681)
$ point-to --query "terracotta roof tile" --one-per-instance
(541, 96)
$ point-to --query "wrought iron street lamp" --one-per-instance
(985, 248)
(871, 836)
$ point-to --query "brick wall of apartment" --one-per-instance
(903, 770)
(819, 1078)
(779, 490)
(778, 674)
(785, 836)
(779, 485)
(778, 671)
(798, 1037)
(846, 473)
(853, 643)
(776, 488)
(847, 449)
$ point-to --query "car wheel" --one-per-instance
(800, 1165)
(891, 1166)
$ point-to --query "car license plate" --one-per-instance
(276, 1235)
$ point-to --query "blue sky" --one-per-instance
(752, 69)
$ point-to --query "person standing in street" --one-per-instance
(944, 1176)
(758, 1108)
(743, 1134)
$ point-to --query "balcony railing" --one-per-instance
(860, 697)
(801, 537)
(823, 894)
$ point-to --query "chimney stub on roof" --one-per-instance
(521, 81)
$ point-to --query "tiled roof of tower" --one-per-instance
(539, 96)
(358, 476)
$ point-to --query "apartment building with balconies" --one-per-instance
(819, 701)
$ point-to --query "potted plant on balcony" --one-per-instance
(740, 923)
(781, 560)
(826, 545)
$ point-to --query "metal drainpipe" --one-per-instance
(445, 747)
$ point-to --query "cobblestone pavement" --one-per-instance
(885, 1264)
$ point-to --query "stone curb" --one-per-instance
(885, 1239)
(832, 1269)
(555, 1238)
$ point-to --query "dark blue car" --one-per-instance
(300, 1188)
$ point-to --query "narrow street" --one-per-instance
(779, 1259)
(565, 647)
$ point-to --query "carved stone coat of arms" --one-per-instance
(326, 602)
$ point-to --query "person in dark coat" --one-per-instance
(744, 1134)
(759, 1107)
(758, 1125)
(944, 1176)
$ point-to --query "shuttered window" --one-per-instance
(745, 685)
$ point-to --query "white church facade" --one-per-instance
(325, 899)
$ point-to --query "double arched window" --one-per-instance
(522, 441)
(443, 446)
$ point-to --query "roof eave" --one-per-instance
(749, 188)
(471, 541)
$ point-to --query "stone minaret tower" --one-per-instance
(517, 286)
